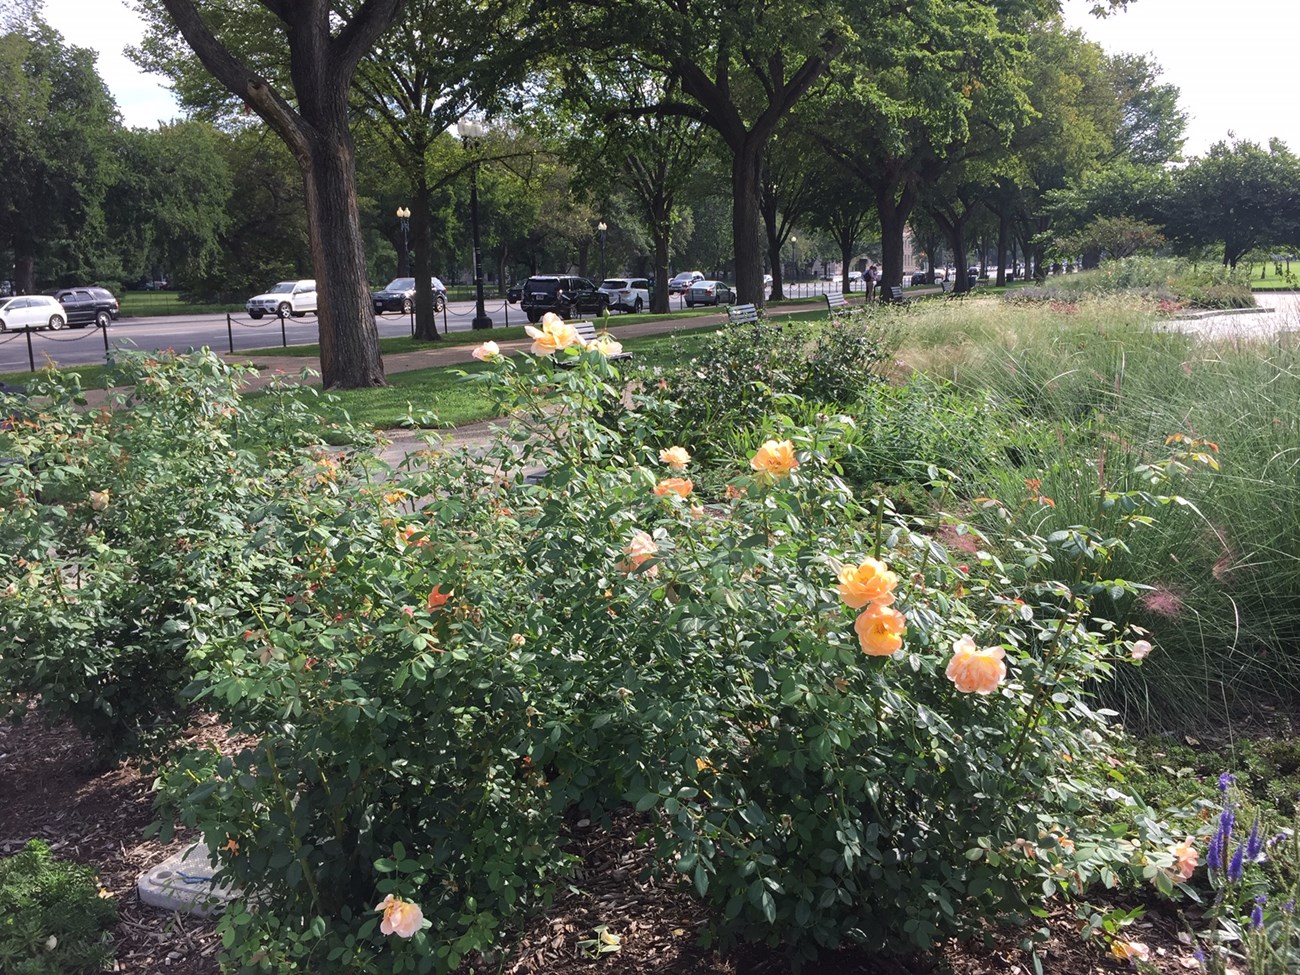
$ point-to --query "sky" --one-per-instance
(1230, 58)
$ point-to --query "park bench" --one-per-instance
(896, 294)
(836, 300)
(587, 333)
(741, 314)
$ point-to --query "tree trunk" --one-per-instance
(773, 248)
(846, 256)
(349, 340)
(746, 171)
(1004, 237)
(659, 300)
(582, 258)
(25, 275)
(426, 319)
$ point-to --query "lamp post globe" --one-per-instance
(471, 133)
(404, 261)
(601, 229)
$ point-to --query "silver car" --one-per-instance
(710, 293)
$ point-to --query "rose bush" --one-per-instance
(788, 687)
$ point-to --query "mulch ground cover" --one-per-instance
(48, 792)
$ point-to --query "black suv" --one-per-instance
(565, 295)
(87, 306)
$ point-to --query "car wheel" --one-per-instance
(254, 315)
(102, 319)
(56, 322)
(439, 304)
(637, 308)
(285, 309)
(3, 326)
(534, 317)
(408, 305)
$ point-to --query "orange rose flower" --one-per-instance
(401, 918)
(679, 486)
(880, 630)
(775, 458)
(675, 457)
(1185, 861)
(976, 671)
(437, 598)
(639, 550)
(870, 582)
(554, 335)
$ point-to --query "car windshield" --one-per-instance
(400, 284)
(614, 283)
(283, 288)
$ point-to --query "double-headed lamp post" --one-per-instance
(404, 219)
(601, 229)
(472, 133)
(794, 243)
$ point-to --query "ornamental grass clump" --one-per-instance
(768, 682)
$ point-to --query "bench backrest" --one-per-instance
(895, 293)
(836, 299)
(587, 332)
(741, 314)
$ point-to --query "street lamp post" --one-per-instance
(602, 227)
(472, 133)
(794, 242)
(404, 262)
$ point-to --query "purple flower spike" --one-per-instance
(1214, 853)
(1281, 837)
(1254, 843)
(1257, 913)
(1225, 780)
(1226, 820)
(1236, 865)
(1289, 907)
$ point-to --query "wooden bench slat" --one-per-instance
(587, 332)
(836, 300)
(741, 314)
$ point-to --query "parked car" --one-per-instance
(515, 293)
(399, 295)
(767, 281)
(87, 306)
(627, 294)
(30, 312)
(564, 294)
(295, 298)
(681, 283)
(710, 293)
(918, 277)
(6, 289)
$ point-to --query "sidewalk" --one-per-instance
(288, 367)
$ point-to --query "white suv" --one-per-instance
(627, 294)
(295, 298)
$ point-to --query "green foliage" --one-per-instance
(53, 920)
(1156, 279)
(131, 534)
(437, 686)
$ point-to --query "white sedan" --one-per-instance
(31, 311)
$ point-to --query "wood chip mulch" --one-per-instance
(97, 817)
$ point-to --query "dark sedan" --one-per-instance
(399, 295)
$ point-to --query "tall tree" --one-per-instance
(1240, 195)
(56, 158)
(325, 42)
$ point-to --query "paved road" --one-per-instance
(76, 347)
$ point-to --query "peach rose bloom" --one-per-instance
(1130, 951)
(437, 598)
(401, 918)
(605, 345)
(1140, 650)
(880, 630)
(675, 457)
(554, 335)
(638, 551)
(487, 352)
(679, 486)
(976, 671)
(870, 582)
(1185, 861)
(775, 458)
(98, 500)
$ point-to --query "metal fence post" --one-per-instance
(105, 343)
(230, 334)
(31, 358)
(284, 341)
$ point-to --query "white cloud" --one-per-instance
(109, 26)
